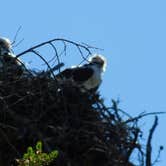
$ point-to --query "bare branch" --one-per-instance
(148, 145)
(143, 115)
(56, 54)
(158, 155)
(15, 37)
(35, 52)
(92, 47)
(53, 40)
(115, 108)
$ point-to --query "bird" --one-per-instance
(88, 76)
(9, 64)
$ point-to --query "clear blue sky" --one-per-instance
(131, 32)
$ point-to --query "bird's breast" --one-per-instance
(93, 81)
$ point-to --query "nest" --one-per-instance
(79, 125)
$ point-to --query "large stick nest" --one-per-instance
(78, 125)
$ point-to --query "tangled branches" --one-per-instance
(79, 125)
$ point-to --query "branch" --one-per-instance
(158, 155)
(143, 115)
(53, 40)
(15, 37)
(50, 69)
(56, 54)
(148, 145)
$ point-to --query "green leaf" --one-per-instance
(39, 146)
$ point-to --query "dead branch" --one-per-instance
(143, 115)
(54, 40)
(148, 145)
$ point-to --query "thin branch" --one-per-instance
(143, 115)
(115, 108)
(158, 155)
(35, 52)
(133, 144)
(92, 47)
(82, 55)
(148, 145)
(18, 43)
(15, 37)
(50, 41)
(56, 54)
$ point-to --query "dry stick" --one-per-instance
(115, 108)
(62, 52)
(84, 58)
(50, 41)
(143, 115)
(158, 155)
(56, 54)
(133, 145)
(18, 43)
(92, 47)
(15, 37)
(148, 145)
(108, 110)
(35, 52)
(141, 156)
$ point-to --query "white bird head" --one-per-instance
(5, 45)
(99, 60)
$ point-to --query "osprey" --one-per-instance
(87, 76)
(9, 65)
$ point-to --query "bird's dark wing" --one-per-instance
(78, 74)
(82, 74)
(67, 73)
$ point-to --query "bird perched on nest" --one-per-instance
(9, 65)
(88, 76)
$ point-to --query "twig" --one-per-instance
(15, 37)
(35, 52)
(148, 145)
(158, 155)
(115, 108)
(143, 115)
(50, 41)
(92, 47)
(56, 54)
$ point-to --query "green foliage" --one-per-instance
(35, 157)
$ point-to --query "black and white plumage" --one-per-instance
(9, 64)
(88, 76)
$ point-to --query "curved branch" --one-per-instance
(53, 40)
(50, 69)
(148, 145)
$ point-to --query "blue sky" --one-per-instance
(131, 32)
